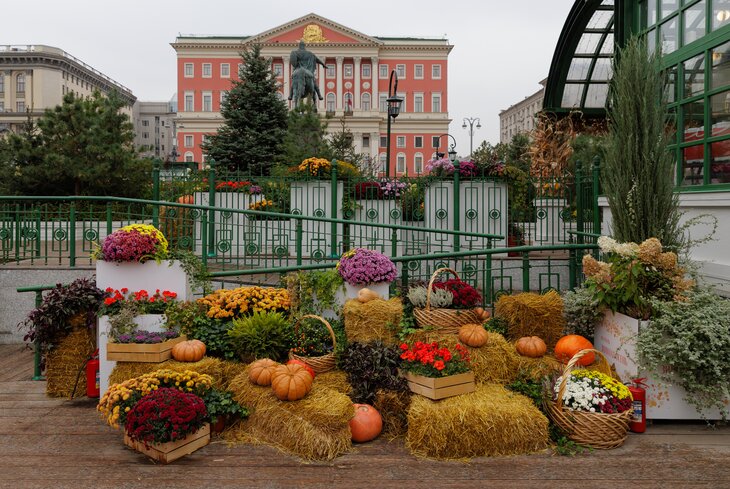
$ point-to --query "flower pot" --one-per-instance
(382, 288)
(440, 387)
(173, 450)
(142, 352)
(219, 425)
(512, 242)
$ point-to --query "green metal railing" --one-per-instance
(38, 289)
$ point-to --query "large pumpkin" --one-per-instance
(367, 423)
(531, 346)
(306, 367)
(188, 351)
(261, 371)
(569, 345)
(291, 382)
(473, 335)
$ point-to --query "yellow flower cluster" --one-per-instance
(118, 398)
(262, 205)
(619, 390)
(150, 230)
(231, 303)
(314, 166)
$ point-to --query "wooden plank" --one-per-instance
(141, 352)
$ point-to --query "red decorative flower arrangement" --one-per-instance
(148, 304)
(165, 415)
(465, 296)
(429, 360)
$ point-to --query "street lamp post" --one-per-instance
(394, 104)
(452, 148)
(471, 121)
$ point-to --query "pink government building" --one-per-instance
(354, 85)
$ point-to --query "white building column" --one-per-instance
(374, 77)
(357, 82)
(287, 75)
(375, 147)
(340, 59)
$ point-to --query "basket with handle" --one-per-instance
(323, 363)
(440, 319)
(597, 430)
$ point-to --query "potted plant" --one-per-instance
(222, 409)
(436, 372)
(515, 237)
(362, 268)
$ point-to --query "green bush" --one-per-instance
(581, 312)
(262, 335)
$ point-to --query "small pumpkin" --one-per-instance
(569, 345)
(261, 371)
(483, 315)
(186, 199)
(531, 346)
(473, 335)
(188, 351)
(303, 364)
(291, 382)
(367, 295)
(367, 423)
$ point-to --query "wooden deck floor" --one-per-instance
(57, 444)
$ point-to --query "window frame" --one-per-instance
(227, 72)
(207, 67)
(434, 67)
(415, 71)
(192, 70)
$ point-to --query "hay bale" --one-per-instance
(374, 320)
(64, 362)
(495, 362)
(314, 428)
(487, 422)
(530, 314)
(207, 365)
(393, 408)
(335, 380)
(537, 368)
(230, 369)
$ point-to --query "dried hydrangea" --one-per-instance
(650, 250)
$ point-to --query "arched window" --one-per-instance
(189, 157)
(400, 163)
(330, 102)
(365, 101)
(20, 83)
(418, 163)
(381, 159)
(349, 104)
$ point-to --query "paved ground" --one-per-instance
(57, 444)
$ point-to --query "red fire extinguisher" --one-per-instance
(638, 419)
(92, 375)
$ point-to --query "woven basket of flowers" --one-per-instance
(448, 320)
(591, 406)
(323, 363)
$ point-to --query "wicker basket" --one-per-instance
(597, 430)
(443, 320)
(323, 363)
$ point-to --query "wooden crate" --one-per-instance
(441, 387)
(173, 450)
(142, 352)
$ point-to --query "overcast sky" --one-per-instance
(502, 49)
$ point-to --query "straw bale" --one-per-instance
(374, 320)
(490, 421)
(230, 369)
(335, 380)
(314, 428)
(207, 365)
(64, 362)
(393, 408)
(530, 314)
(537, 368)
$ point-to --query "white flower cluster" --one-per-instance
(610, 245)
(582, 394)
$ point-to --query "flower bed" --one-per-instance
(232, 303)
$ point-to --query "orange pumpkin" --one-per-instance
(473, 335)
(483, 315)
(303, 364)
(261, 371)
(531, 346)
(571, 344)
(186, 199)
(188, 351)
(367, 423)
(291, 382)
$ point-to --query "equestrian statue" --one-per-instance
(303, 83)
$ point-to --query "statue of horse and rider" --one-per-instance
(303, 83)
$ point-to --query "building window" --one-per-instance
(383, 73)
(145, 135)
(207, 101)
(383, 102)
(435, 102)
(189, 70)
(330, 102)
(400, 142)
(418, 163)
(436, 72)
(207, 70)
(400, 163)
(400, 70)
(404, 104)
(330, 71)
(347, 69)
(365, 101)
(349, 105)
(20, 84)
(145, 123)
(417, 102)
(278, 70)
(418, 72)
(188, 141)
(418, 141)
(225, 70)
(2, 106)
(366, 71)
(189, 107)
(435, 141)
(224, 96)
(2, 83)
(381, 158)
(365, 141)
(189, 157)
(383, 141)
(20, 106)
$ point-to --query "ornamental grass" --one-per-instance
(64, 362)
(490, 421)
(313, 428)
(530, 314)
(374, 320)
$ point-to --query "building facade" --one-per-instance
(354, 86)
(34, 78)
(154, 129)
(520, 117)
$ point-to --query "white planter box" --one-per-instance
(375, 211)
(615, 337)
(314, 198)
(550, 225)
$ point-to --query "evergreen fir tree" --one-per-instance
(343, 147)
(255, 119)
(305, 136)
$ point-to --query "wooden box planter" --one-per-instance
(142, 352)
(173, 450)
(440, 387)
